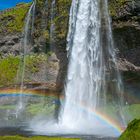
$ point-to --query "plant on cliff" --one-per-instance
(12, 20)
(8, 70)
(60, 21)
(116, 5)
(11, 65)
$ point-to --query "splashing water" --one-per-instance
(93, 91)
(92, 66)
(93, 77)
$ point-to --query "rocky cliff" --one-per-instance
(11, 26)
(126, 30)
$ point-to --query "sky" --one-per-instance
(4, 4)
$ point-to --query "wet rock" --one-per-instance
(125, 65)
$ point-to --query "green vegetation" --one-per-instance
(116, 5)
(40, 108)
(133, 129)
(133, 110)
(34, 61)
(60, 21)
(62, 18)
(10, 107)
(34, 138)
(40, 105)
(12, 66)
(130, 112)
(12, 20)
(132, 132)
(8, 70)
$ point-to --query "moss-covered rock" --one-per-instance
(12, 67)
(43, 23)
(124, 9)
(125, 24)
(132, 132)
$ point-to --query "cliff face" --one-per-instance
(126, 30)
(11, 27)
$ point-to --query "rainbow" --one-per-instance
(28, 92)
(104, 118)
(100, 116)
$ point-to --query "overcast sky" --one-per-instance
(4, 4)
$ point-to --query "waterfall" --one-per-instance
(27, 48)
(93, 75)
(85, 67)
(52, 26)
(93, 90)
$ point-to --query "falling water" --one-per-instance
(93, 76)
(27, 48)
(52, 26)
(93, 88)
(92, 62)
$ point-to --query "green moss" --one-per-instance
(4, 107)
(12, 66)
(13, 20)
(132, 132)
(116, 5)
(8, 70)
(34, 138)
(60, 21)
(40, 108)
(34, 61)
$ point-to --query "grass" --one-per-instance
(132, 132)
(34, 138)
(11, 67)
(13, 20)
(8, 70)
(36, 109)
(114, 5)
(4, 107)
(33, 62)
(133, 110)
